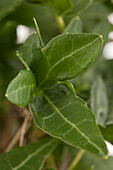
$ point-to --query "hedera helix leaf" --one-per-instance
(33, 58)
(21, 89)
(63, 58)
(79, 5)
(99, 100)
(75, 26)
(29, 157)
(63, 115)
(60, 6)
(71, 54)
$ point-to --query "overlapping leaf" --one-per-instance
(71, 54)
(28, 157)
(21, 89)
(63, 58)
(65, 116)
(33, 58)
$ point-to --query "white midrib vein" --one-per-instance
(31, 155)
(21, 88)
(73, 125)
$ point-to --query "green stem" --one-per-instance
(76, 160)
(38, 33)
(61, 23)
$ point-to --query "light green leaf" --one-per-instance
(99, 101)
(7, 6)
(75, 26)
(28, 157)
(63, 115)
(60, 6)
(33, 58)
(103, 28)
(91, 162)
(79, 5)
(96, 12)
(71, 54)
(21, 89)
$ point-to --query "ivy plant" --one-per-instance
(47, 86)
(52, 99)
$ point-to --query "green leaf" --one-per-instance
(79, 5)
(7, 6)
(98, 11)
(60, 6)
(21, 89)
(99, 101)
(103, 28)
(71, 54)
(29, 157)
(63, 115)
(33, 58)
(75, 26)
(107, 132)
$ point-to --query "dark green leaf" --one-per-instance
(33, 58)
(99, 100)
(79, 5)
(28, 157)
(75, 26)
(71, 54)
(63, 115)
(107, 132)
(21, 89)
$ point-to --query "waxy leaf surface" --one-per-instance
(21, 89)
(63, 115)
(29, 157)
(71, 54)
